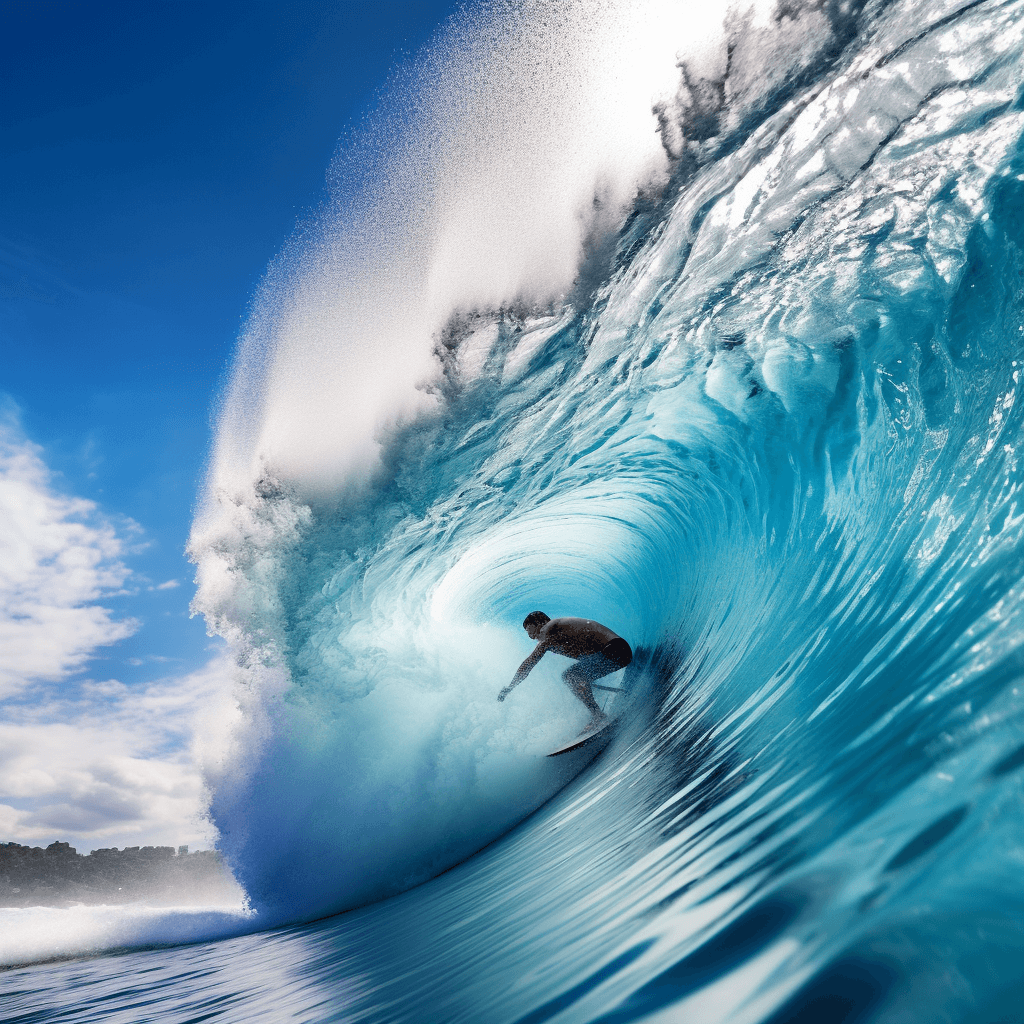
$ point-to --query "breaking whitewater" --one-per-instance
(737, 378)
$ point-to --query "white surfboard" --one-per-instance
(601, 732)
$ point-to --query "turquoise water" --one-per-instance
(771, 439)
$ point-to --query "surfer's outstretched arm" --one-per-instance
(524, 670)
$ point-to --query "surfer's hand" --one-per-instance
(504, 693)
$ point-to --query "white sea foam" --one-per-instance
(33, 934)
(521, 136)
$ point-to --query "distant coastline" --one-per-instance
(59, 876)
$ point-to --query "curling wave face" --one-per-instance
(769, 434)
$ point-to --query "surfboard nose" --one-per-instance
(594, 740)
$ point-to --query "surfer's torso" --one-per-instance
(575, 638)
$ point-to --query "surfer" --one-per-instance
(597, 650)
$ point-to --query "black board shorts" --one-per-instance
(614, 655)
(618, 651)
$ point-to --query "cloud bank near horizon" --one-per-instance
(96, 762)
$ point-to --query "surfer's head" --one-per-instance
(534, 623)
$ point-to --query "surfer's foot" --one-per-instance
(595, 723)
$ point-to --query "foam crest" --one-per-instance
(511, 149)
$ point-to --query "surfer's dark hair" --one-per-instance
(535, 619)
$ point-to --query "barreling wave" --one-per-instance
(744, 388)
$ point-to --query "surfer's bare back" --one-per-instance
(597, 650)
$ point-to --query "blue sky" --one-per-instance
(153, 159)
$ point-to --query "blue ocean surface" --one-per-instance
(771, 436)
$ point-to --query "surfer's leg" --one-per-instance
(578, 678)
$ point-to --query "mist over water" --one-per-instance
(724, 355)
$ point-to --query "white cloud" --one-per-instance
(99, 763)
(116, 765)
(58, 558)
(167, 585)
